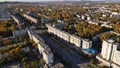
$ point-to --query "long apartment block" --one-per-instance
(43, 48)
(77, 41)
(31, 18)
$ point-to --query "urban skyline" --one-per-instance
(52, 0)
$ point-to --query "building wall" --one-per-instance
(30, 35)
(17, 21)
(116, 57)
(77, 41)
(86, 44)
(48, 57)
(66, 36)
(35, 39)
(30, 18)
(40, 48)
(110, 52)
(104, 49)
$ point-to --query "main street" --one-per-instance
(68, 56)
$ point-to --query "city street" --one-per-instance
(68, 56)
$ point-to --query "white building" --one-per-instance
(43, 48)
(92, 22)
(48, 57)
(60, 21)
(115, 15)
(111, 51)
(78, 16)
(31, 18)
(86, 43)
(77, 41)
(89, 18)
(83, 17)
(18, 21)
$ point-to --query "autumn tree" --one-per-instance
(118, 40)
(106, 36)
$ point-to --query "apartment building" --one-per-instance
(43, 48)
(111, 51)
(18, 21)
(31, 18)
(77, 41)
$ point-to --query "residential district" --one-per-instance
(66, 34)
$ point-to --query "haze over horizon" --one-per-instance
(53, 0)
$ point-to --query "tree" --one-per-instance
(42, 62)
(106, 36)
(118, 40)
(12, 52)
(17, 50)
(87, 30)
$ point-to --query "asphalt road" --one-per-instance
(68, 56)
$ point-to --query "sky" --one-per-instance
(52, 0)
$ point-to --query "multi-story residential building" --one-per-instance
(18, 21)
(77, 41)
(86, 43)
(43, 48)
(111, 51)
(48, 56)
(31, 18)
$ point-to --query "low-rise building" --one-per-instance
(83, 17)
(92, 22)
(48, 56)
(89, 18)
(115, 15)
(46, 20)
(76, 40)
(18, 33)
(26, 49)
(60, 25)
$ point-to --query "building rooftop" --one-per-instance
(110, 41)
(42, 43)
(48, 52)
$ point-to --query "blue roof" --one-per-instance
(91, 50)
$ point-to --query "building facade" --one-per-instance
(31, 18)
(77, 41)
(43, 48)
(111, 51)
(18, 21)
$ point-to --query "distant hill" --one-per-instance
(63, 1)
(9, 2)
